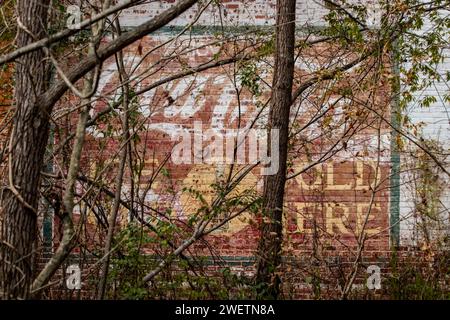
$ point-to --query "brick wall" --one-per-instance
(325, 207)
(335, 194)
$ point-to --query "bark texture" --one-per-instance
(269, 248)
(26, 152)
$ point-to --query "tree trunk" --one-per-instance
(27, 146)
(33, 103)
(269, 248)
